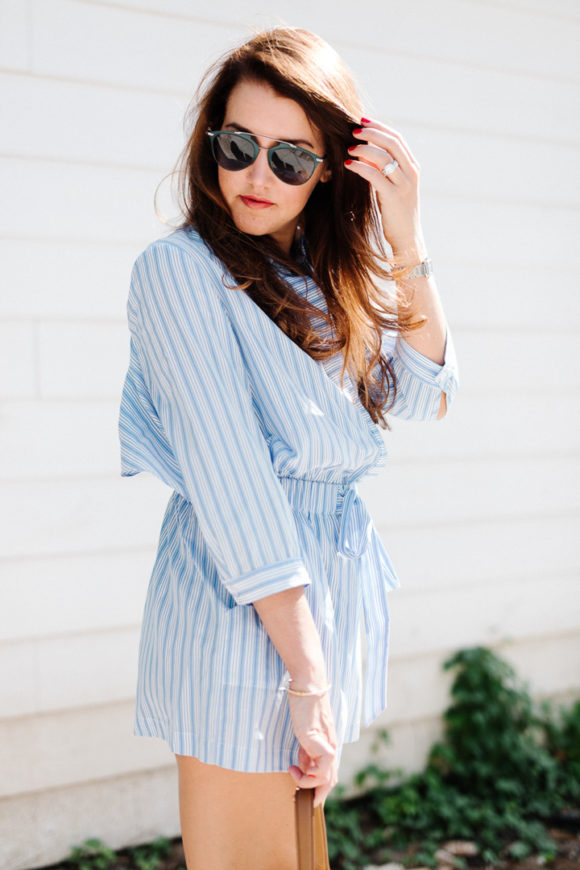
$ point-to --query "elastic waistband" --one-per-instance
(315, 496)
(303, 494)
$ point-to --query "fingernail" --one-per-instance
(347, 162)
(358, 130)
(351, 147)
(365, 120)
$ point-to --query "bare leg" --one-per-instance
(236, 821)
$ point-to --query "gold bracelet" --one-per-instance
(302, 694)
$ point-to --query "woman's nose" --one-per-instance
(259, 171)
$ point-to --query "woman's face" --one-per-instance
(256, 108)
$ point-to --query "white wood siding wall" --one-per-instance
(479, 511)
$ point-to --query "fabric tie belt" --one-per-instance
(355, 525)
(357, 539)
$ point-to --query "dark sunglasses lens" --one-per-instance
(292, 165)
(233, 151)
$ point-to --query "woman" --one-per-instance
(266, 347)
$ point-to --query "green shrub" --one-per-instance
(150, 855)
(92, 854)
(502, 770)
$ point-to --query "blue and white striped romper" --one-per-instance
(262, 449)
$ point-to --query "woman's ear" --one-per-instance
(326, 175)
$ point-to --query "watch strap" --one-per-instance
(425, 268)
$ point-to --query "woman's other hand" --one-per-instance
(313, 725)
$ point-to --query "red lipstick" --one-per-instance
(255, 202)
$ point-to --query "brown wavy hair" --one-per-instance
(341, 220)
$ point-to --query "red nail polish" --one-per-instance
(347, 162)
(351, 147)
(365, 120)
(358, 130)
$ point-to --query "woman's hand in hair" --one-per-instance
(397, 193)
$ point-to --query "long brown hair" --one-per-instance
(341, 220)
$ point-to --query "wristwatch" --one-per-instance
(425, 268)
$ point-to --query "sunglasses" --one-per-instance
(235, 151)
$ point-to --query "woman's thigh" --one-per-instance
(236, 821)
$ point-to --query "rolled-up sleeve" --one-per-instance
(420, 381)
(195, 372)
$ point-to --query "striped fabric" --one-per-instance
(263, 450)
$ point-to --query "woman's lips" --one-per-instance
(251, 202)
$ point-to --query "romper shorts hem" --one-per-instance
(223, 754)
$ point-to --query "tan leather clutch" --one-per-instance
(310, 832)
